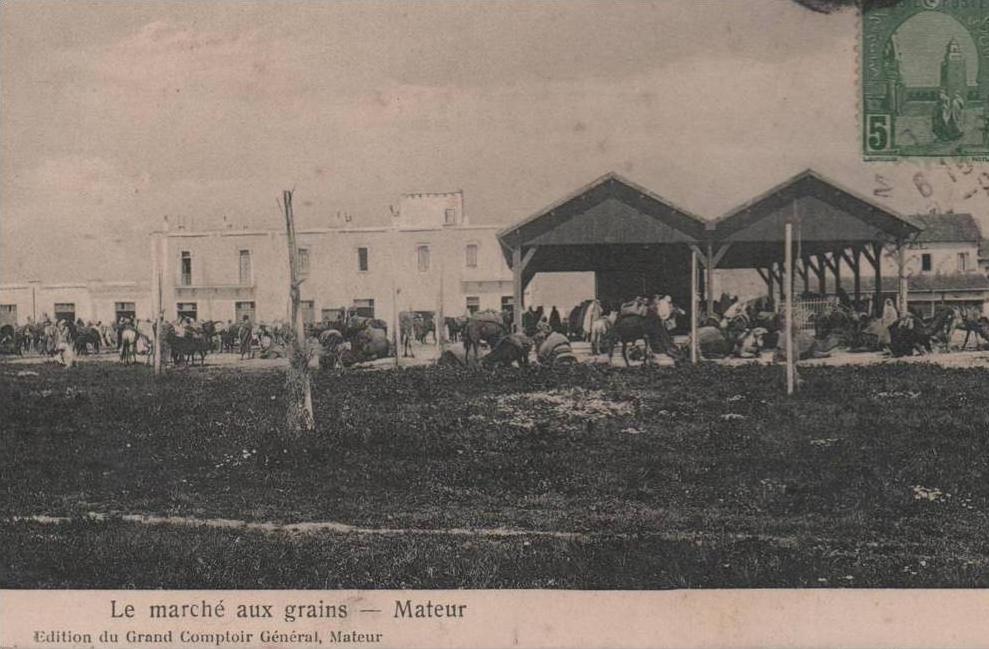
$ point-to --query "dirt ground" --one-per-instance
(427, 355)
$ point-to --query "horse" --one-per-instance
(455, 327)
(128, 344)
(187, 346)
(632, 327)
(486, 326)
(599, 328)
(86, 336)
(971, 323)
(422, 326)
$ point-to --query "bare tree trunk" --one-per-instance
(298, 380)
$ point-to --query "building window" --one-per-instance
(925, 262)
(362, 260)
(244, 311)
(65, 311)
(245, 268)
(422, 254)
(186, 310)
(471, 255)
(186, 268)
(450, 216)
(962, 262)
(364, 307)
(473, 304)
(332, 315)
(303, 258)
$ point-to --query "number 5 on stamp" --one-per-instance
(878, 128)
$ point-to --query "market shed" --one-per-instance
(635, 242)
(832, 229)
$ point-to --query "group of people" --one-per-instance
(657, 308)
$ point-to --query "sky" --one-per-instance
(115, 115)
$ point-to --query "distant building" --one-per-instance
(948, 244)
(91, 301)
(944, 264)
(429, 259)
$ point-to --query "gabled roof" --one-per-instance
(937, 228)
(611, 209)
(809, 184)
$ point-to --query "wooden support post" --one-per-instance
(769, 281)
(396, 323)
(517, 288)
(877, 263)
(857, 273)
(439, 327)
(822, 275)
(694, 343)
(710, 278)
(806, 275)
(901, 284)
(788, 313)
(836, 256)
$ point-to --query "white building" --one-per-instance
(430, 258)
(91, 301)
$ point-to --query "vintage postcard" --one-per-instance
(486, 324)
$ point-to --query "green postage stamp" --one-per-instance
(925, 79)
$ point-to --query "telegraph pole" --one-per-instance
(300, 412)
(156, 298)
(791, 361)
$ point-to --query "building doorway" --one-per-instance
(8, 314)
(508, 306)
(244, 311)
(126, 310)
(65, 311)
(332, 315)
(364, 308)
(308, 311)
(187, 310)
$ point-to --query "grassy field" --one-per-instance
(691, 477)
